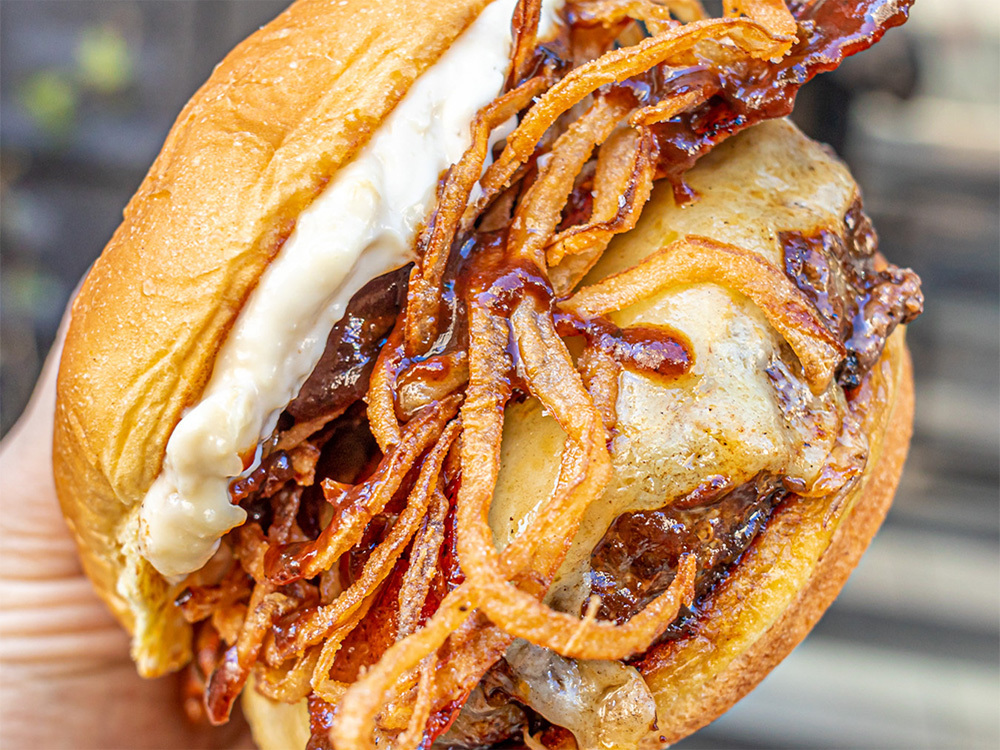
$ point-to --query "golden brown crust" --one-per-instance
(788, 579)
(247, 154)
(799, 563)
(254, 145)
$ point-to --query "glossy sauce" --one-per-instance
(654, 350)
(498, 285)
(859, 297)
(321, 716)
(363, 223)
(580, 204)
(272, 473)
(341, 375)
(637, 558)
(755, 90)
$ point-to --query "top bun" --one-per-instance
(281, 114)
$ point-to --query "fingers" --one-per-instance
(34, 540)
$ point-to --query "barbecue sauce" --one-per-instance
(637, 559)
(742, 94)
(651, 349)
(341, 375)
(859, 297)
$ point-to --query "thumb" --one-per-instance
(36, 542)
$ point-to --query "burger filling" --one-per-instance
(403, 569)
(362, 225)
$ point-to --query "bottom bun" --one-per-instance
(787, 578)
(766, 605)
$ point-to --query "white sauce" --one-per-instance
(361, 226)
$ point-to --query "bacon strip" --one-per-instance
(700, 260)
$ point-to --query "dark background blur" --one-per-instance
(909, 656)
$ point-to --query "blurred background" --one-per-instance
(909, 656)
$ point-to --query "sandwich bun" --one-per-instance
(770, 603)
(252, 150)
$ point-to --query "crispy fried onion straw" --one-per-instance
(534, 556)
(362, 502)
(422, 566)
(585, 466)
(556, 383)
(773, 14)
(600, 376)
(695, 260)
(266, 605)
(524, 24)
(332, 623)
(668, 108)
(656, 15)
(623, 182)
(424, 297)
(411, 737)
(381, 403)
(535, 221)
(288, 683)
(323, 685)
(361, 702)
(322, 622)
(752, 38)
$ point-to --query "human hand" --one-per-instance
(66, 678)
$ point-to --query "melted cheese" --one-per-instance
(726, 417)
(362, 225)
(605, 704)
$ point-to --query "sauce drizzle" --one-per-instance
(745, 93)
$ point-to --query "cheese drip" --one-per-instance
(726, 417)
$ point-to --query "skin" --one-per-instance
(66, 679)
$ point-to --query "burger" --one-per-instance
(478, 374)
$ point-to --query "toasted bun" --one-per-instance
(276, 726)
(769, 179)
(252, 148)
